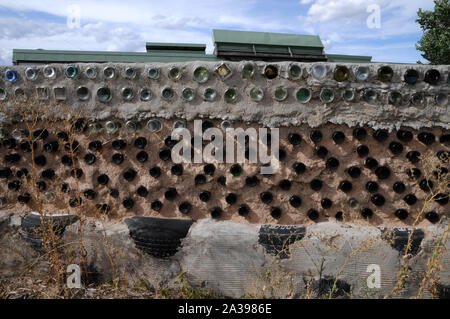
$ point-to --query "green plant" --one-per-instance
(435, 42)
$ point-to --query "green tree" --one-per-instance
(435, 42)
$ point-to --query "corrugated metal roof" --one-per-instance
(61, 56)
(229, 45)
(238, 45)
(266, 38)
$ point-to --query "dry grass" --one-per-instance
(275, 279)
(35, 114)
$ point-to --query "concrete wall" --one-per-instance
(268, 112)
(233, 253)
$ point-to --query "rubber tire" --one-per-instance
(158, 237)
(31, 227)
(323, 287)
(400, 239)
(276, 239)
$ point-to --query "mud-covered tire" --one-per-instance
(158, 237)
(398, 239)
(324, 286)
(32, 227)
(277, 239)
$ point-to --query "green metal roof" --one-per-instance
(229, 45)
(349, 58)
(59, 56)
(238, 45)
(266, 38)
(182, 47)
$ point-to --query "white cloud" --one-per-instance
(28, 34)
(173, 14)
(126, 26)
(329, 39)
(342, 23)
(350, 16)
(329, 10)
(5, 56)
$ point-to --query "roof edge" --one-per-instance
(314, 40)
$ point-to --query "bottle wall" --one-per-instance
(357, 141)
(326, 173)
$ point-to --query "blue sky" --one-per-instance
(127, 25)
